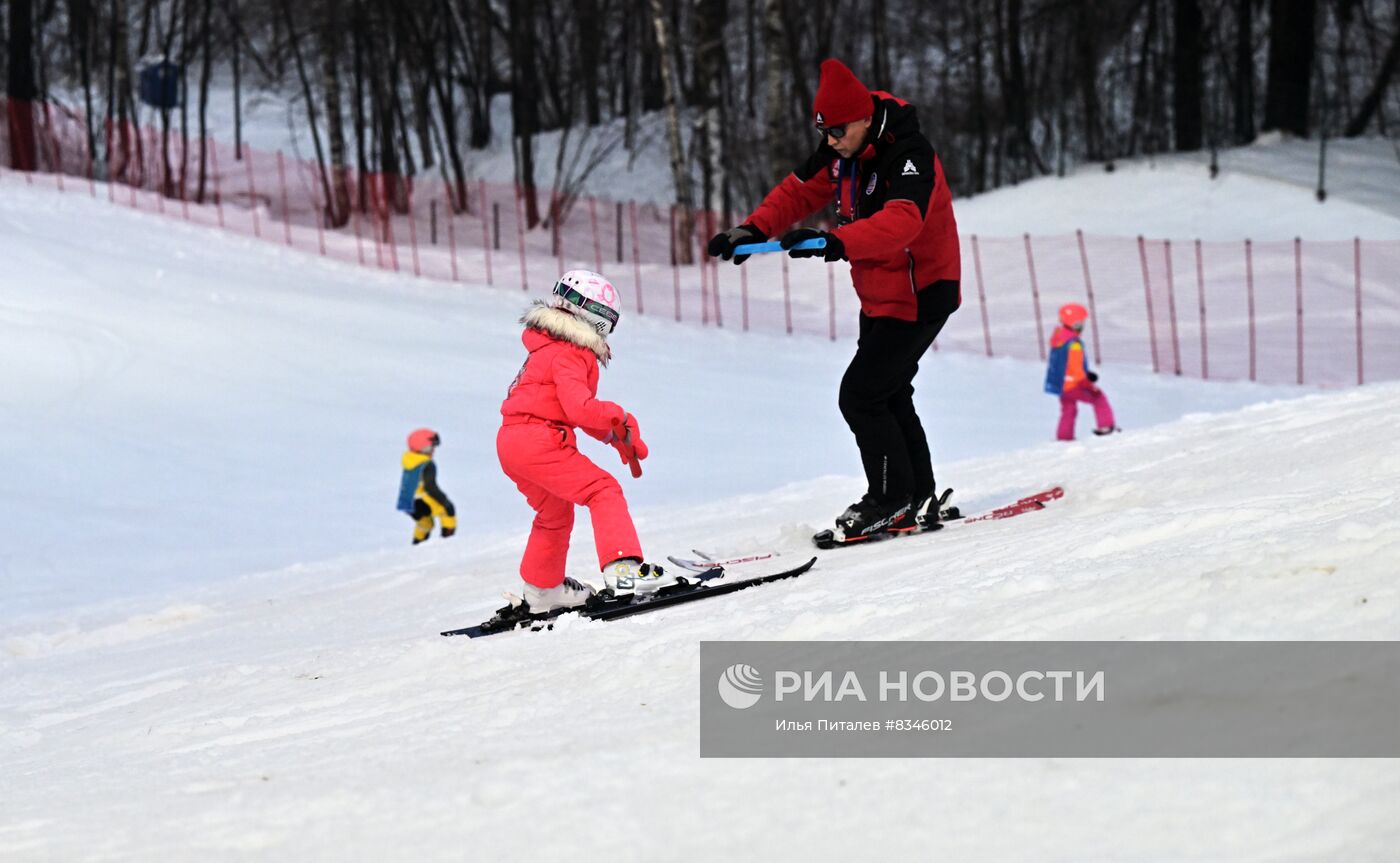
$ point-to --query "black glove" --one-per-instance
(448, 531)
(722, 244)
(1093, 377)
(835, 250)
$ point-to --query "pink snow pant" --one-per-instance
(554, 476)
(1069, 410)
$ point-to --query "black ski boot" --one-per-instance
(867, 518)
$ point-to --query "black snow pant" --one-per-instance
(877, 396)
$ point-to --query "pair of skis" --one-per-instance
(706, 576)
(947, 517)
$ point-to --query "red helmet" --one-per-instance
(1073, 314)
(422, 440)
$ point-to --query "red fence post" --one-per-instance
(520, 237)
(704, 280)
(451, 233)
(286, 209)
(982, 295)
(636, 256)
(787, 297)
(1035, 298)
(483, 208)
(1201, 293)
(412, 228)
(1147, 292)
(1249, 294)
(1360, 378)
(831, 296)
(252, 190)
(1298, 293)
(597, 240)
(1171, 310)
(1089, 291)
(214, 169)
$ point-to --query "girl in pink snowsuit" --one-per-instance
(1069, 377)
(554, 392)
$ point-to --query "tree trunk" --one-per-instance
(21, 87)
(1087, 72)
(1186, 61)
(204, 73)
(236, 22)
(775, 107)
(338, 199)
(524, 109)
(708, 22)
(295, 43)
(589, 51)
(1292, 39)
(680, 177)
(1244, 71)
(1372, 101)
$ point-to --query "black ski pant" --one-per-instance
(877, 396)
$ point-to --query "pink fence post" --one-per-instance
(982, 295)
(675, 263)
(787, 297)
(252, 190)
(1201, 293)
(597, 240)
(91, 171)
(320, 209)
(1147, 293)
(356, 209)
(484, 207)
(184, 177)
(214, 170)
(1360, 377)
(1171, 310)
(373, 217)
(1298, 287)
(1089, 292)
(704, 280)
(831, 297)
(1249, 294)
(1035, 298)
(164, 173)
(386, 215)
(636, 256)
(413, 229)
(520, 237)
(451, 234)
(286, 209)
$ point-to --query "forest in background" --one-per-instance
(1007, 89)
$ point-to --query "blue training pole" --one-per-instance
(775, 246)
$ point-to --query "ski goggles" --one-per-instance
(574, 297)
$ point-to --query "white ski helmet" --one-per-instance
(590, 296)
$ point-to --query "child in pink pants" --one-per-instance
(555, 392)
(1069, 377)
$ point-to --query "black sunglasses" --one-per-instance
(837, 132)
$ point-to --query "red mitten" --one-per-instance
(627, 439)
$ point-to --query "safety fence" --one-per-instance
(1308, 312)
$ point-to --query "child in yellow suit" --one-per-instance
(419, 495)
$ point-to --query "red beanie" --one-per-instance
(841, 98)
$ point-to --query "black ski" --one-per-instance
(700, 586)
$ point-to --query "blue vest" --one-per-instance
(408, 487)
(1059, 361)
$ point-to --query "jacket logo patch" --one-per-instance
(909, 169)
(821, 121)
(870, 187)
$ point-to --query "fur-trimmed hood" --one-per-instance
(562, 325)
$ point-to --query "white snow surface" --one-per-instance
(215, 639)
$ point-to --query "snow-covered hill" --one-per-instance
(215, 639)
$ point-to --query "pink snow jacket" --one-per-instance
(558, 384)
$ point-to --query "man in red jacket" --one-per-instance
(894, 223)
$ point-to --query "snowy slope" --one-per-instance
(188, 405)
(215, 640)
(313, 713)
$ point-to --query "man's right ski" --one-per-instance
(948, 517)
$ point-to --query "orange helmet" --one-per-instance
(1073, 314)
(422, 440)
